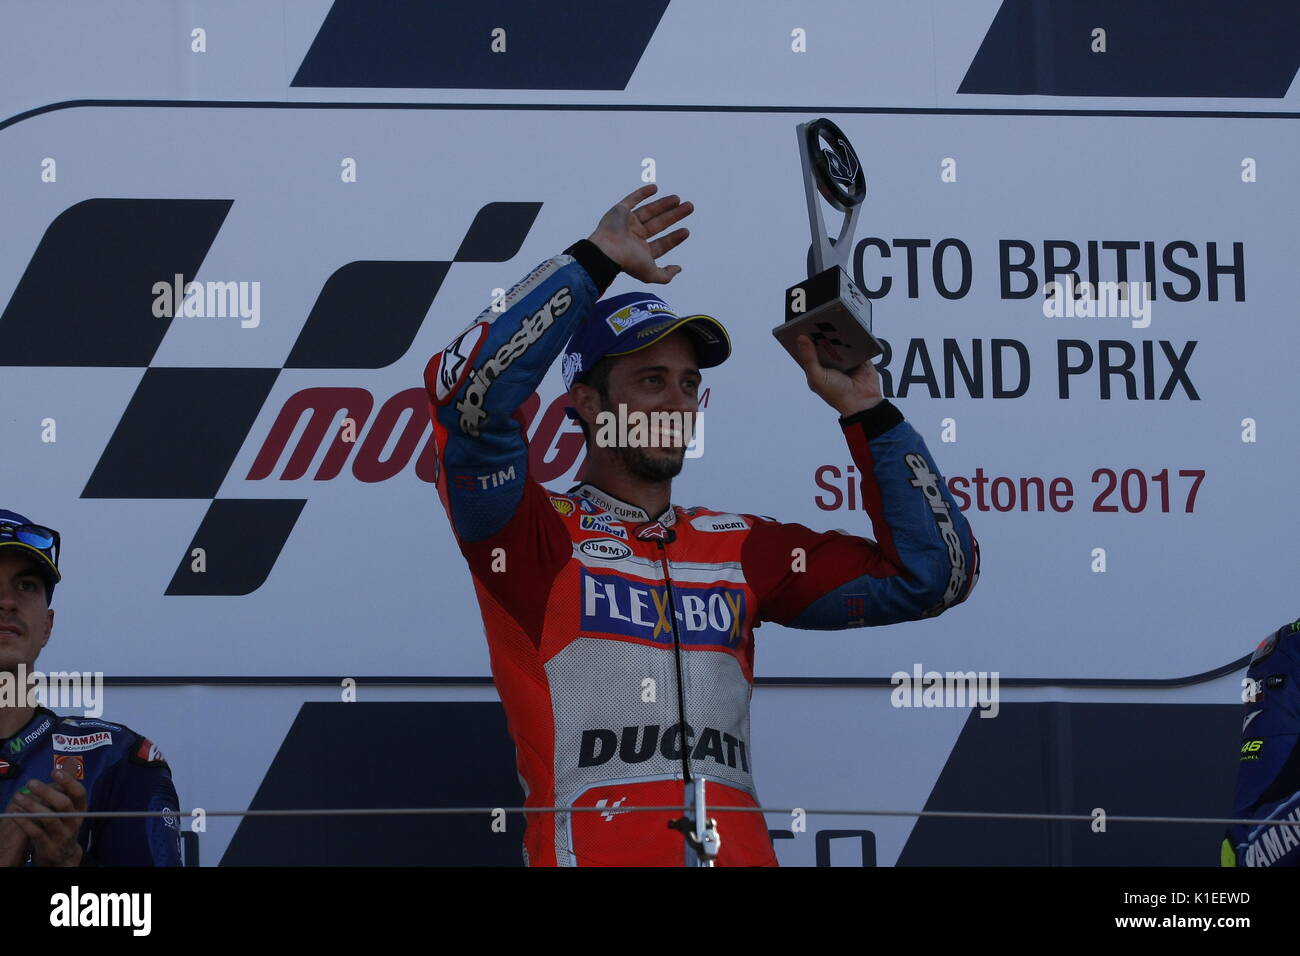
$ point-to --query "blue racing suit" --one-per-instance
(1268, 783)
(120, 770)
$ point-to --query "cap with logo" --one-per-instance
(35, 540)
(627, 323)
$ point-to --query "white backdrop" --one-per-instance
(390, 595)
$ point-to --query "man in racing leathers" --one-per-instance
(53, 764)
(1268, 782)
(620, 627)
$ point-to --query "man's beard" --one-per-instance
(646, 468)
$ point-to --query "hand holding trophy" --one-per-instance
(829, 307)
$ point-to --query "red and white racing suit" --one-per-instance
(606, 626)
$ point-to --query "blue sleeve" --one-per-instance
(136, 784)
(924, 559)
(477, 384)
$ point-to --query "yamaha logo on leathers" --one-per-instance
(66, 744)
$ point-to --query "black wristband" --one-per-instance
(875, 421)
(602, 269)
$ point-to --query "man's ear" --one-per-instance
(586, 401)
(49, 626)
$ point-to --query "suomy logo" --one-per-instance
(605, 549)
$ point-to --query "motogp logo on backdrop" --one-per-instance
(210, 415)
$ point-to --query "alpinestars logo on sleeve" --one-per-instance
(926, 480)
(471, 406)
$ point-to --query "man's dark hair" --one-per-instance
(597, 378)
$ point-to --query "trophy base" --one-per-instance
(831, 310)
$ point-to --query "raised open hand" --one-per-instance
(626, 233)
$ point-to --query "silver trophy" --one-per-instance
(829, 307)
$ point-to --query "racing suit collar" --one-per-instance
(621, 509)
(26, 739)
